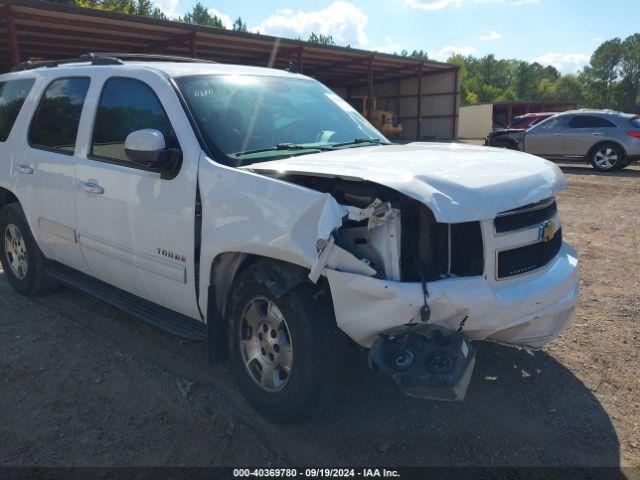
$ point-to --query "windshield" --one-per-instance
(246, 119)
(518, 121)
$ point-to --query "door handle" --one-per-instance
(559, 134)
(26, 169)
(596, 134)
(91, 188)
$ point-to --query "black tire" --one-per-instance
(508, 144)
(607, 157)
(32, 279)
(312, 335)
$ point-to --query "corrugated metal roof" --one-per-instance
(52, 31)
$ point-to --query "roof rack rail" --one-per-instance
(105, 59)
(153, 57)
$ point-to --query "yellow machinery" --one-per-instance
(384, 120)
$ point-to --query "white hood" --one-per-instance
(459, 183)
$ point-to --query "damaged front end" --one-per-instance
(380, 243)
(416, 290)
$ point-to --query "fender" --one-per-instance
(248, 213)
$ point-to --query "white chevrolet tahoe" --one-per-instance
(257, 210)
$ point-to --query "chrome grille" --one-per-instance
(525, 217)
(526, 259)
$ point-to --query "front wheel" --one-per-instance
(22, 261)
(607, 158)
(283, 347)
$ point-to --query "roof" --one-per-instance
(47, 30)
(533, 102)
(537, 114)
(172, 69)
(592, 111)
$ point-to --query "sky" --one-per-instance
(562, 33)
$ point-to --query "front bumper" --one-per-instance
(528, 311)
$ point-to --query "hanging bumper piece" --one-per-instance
(426, 362)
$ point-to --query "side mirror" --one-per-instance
(147, 147)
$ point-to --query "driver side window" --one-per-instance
(127, 105)
(551, 124)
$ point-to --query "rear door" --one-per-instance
(13, 94)
(583, 132)
(137, 230)
(547, 139)
(44, 166)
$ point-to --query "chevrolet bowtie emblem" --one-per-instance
(547, 231)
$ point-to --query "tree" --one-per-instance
(546, 90)
(321, 39)
(239, 25)
(144, 8)
(570, 88)
(417, 54)
(199, 15)
(630, 73)
(603, 71)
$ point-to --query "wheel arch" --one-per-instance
(606, 142)
(281, 276)
(7, 197)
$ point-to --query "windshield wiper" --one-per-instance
(284, 147)
(357, 141)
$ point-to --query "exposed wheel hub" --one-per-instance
(15, 249)
(265, 344)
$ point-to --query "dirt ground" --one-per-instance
(83, 384)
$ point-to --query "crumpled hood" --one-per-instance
(459, 183)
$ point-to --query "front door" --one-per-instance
(137, 230)
(547, 139)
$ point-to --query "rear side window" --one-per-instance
(12, 95)
(586, 121)
(127, 105)
(55, 124)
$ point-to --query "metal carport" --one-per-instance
(424, 93)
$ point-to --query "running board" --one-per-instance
(149, 312)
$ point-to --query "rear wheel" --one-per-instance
(283, 347)
(607, 157)
(22, 261)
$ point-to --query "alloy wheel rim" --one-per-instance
(15, 250)
(265, 344)
(606, 158)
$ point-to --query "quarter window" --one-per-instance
(12, 95)
(586, 121)
(127, 105)
(55, 124)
